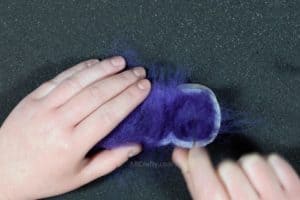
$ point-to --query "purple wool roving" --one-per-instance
(175, 113)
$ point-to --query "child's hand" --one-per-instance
(253, 178)
(44, 140)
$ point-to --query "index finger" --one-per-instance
(199, 174)
(103, 120)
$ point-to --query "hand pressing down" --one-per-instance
(253, 177)
(44, 141)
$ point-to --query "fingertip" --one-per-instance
(140, 72)
(198, 152)
(284, 171)
(178, 151)
(134, 150)
(129, 150)
(144, 85)
(179, 156)
(250, 160)
(274, 158)
(118, 61)
(226, 168)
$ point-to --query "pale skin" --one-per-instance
(45, 139)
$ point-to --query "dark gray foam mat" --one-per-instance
(246, 51)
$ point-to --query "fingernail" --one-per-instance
(226, 169)
(276, 161)
(118, 61)
(139, 72)
(250, 160)
(144, 84)
(134, 151)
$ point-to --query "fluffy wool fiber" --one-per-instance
(174, 113)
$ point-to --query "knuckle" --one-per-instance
(109, 61)
(73, 83)
(89, 63)
(128, 76)
(26, 105)
(105, 69)
(105, 65)
(49, 84)
(94, 92)
(59, 141)
(109, 116)
(65, 146)
(131, 93)
(44, 88)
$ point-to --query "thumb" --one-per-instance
(107, 161)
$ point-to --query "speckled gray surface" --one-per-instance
(247, 51)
